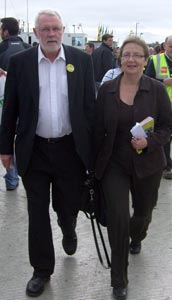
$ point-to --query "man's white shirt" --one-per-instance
(53, 119)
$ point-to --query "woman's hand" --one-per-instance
(139, 143)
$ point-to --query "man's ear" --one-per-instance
(35, 33)
(5, 33)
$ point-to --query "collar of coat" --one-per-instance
(113, 85)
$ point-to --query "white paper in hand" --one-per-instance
(138, 131)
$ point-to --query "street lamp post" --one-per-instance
(137, 23)
(27, 19)
(5, 8)
(74, 27)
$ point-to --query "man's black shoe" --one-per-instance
(135, 247)
(35, 286)
(70, 243)
(120, 294)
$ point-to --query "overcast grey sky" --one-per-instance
(153, 18)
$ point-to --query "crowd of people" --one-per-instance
(68, 117)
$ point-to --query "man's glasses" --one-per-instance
(50, 29)
(135, 56)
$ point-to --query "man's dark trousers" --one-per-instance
(56, 165)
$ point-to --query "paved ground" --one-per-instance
(81, 277)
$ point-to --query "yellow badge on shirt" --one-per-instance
(70, 68)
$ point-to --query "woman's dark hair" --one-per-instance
(135, 40)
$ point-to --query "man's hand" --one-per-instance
(89, 182)
(87, 199)
(3, 72)
(7, 161)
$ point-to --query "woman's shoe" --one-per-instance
(135, 247)
(120, 294)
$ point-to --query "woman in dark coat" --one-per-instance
(125, 164)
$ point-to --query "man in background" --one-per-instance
(103, 59)
(11, 44)
(89, 48)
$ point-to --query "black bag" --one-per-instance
(93, 205)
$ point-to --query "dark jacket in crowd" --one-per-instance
(103, 60)
(10, 46)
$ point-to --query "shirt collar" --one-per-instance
(41, 56)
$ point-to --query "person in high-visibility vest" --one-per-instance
(160, 68)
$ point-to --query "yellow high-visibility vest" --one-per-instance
(162, 70)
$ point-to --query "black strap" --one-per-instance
(90, 214)
(108, 265)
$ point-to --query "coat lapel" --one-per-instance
(33, 77)
(71, 72)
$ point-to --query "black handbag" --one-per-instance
(93, 205)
